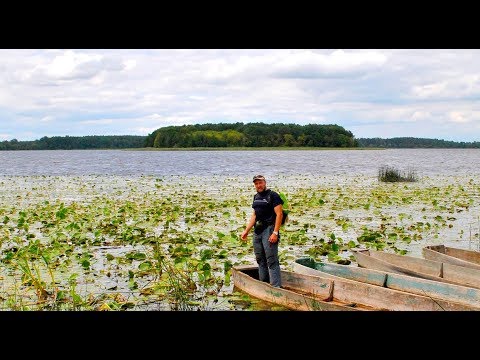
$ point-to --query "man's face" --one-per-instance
(260, 185)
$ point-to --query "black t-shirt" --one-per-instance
(263, 209)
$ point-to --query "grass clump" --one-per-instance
(391, 174)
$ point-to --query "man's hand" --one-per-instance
(244, 235)
(273, 238)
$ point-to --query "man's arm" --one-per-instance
(278, 222)
(250, 224)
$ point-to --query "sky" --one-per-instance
(425, 93)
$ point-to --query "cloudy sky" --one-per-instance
(383, 93)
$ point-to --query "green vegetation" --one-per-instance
(391, 174)
(116, 243)
(236, 136)
(251, 135)
(243, 148)
(412, 142)
(76, 142)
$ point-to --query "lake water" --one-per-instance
(342, 176)
(426, 162)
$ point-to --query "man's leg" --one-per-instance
(260, 256)
(271, 254)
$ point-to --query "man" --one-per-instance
(266, 220)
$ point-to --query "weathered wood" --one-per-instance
(430, 288)
(415, 265)
(461, 275)
(382, 297)
(422, 268)
(446, 254)
(298, 292)
(366, 260)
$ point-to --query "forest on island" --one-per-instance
(251, 135)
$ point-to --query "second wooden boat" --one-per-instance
(462, 257)
(419, 267)
(440, 291)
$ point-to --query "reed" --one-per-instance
(179, 284)
(391, 174)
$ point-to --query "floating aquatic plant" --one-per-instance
(170, 242)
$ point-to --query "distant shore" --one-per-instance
(251, 148)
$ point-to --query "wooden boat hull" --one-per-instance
(443, 293)
(446, 254)
(422, 268)
(298, 292)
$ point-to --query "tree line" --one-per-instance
(251, 135)
(76, 142)
(412, 142)
(232, 135)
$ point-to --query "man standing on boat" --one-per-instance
(266, 220)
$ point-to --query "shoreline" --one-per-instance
(245, 148)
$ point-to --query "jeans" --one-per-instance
(266, 254)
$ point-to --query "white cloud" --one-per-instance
(143, 130)
(460, 117)
(129, 64)
(47, 118)
(430, 90)
(154, 117)
(339, 63)
(66, 67)
(97, 122)
(420, 115)
(125, 91)
(196, 97)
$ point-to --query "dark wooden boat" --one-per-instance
(442, 293)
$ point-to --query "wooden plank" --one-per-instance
(467, 255)
(321, 288)
(454, 256)
(364, 259)
(435, 289)
(391, 299)
(350, 272)
(349, 290)
(449, 273)
(430, 288)
(461, 275)
(290, 299)
(410, 263)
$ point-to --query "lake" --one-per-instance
(97, 207)
(428, 162)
